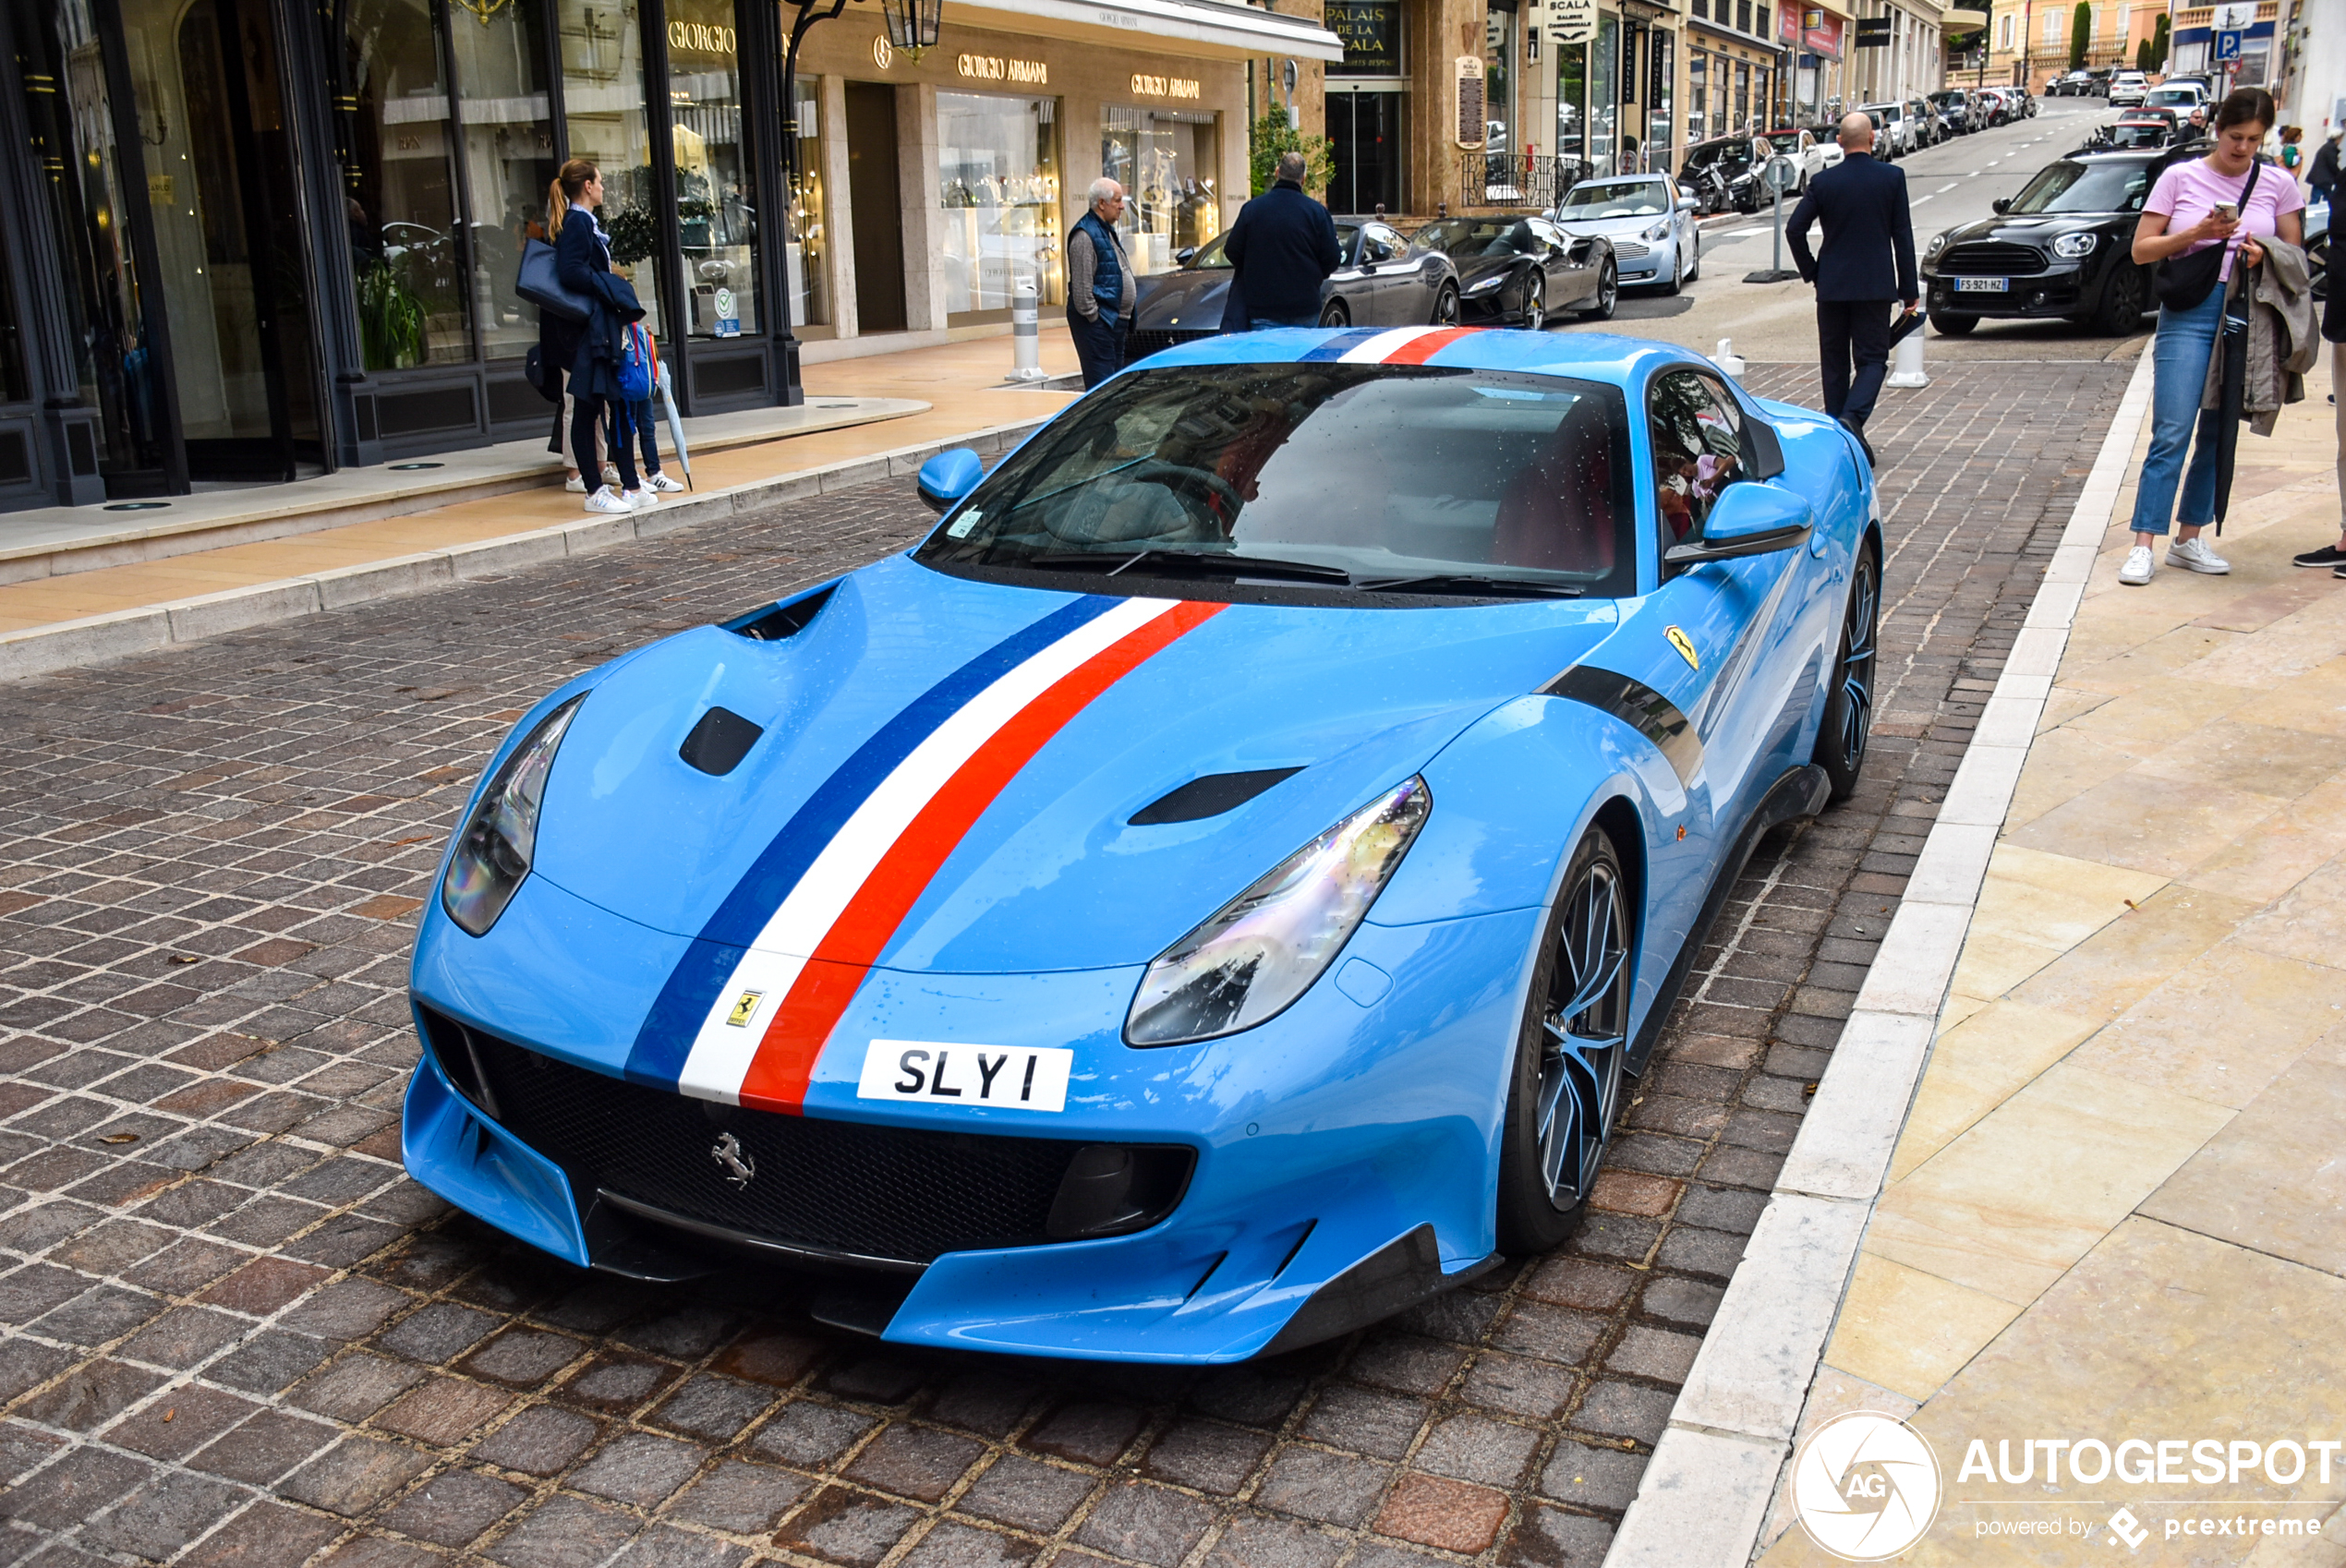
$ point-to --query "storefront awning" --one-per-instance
(1205, 29)
(1957, 19)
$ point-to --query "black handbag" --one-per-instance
(540, 283)
(2183, 281)
(547, 379)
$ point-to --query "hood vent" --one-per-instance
(1209, 796)
(788, 619)
(719, 741)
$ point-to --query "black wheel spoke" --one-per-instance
(1583, 1035)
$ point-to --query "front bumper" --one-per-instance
(2060, 291)
(1358, 1127)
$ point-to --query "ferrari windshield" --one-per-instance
(1615, 199)
(1464, 239)
(2069, 185)
(1317, 478)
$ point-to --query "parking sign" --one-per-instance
(2228, 46)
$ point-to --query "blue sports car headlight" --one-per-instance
(1265, 947)
(494, 847)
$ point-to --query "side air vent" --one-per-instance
(1209, 796)
(719, 741)
(788, 619)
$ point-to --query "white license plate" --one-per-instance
(1015, 1077)
(1983, 285)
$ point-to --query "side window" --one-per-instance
(1698, 451)
(1380, 244)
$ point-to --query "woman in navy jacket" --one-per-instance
(582, 258)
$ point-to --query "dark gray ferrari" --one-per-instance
(1524, 271)
(1386, 281)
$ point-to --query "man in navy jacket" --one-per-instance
(1866, 265)
(1282, 247)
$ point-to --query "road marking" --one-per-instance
(1944, 189)
(1920, 199)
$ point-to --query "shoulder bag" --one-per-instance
(2182, 283)
(540, 283)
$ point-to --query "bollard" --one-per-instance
(1026, 334)
(1906, 368)
(1728, 359)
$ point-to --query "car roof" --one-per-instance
(1596, 357)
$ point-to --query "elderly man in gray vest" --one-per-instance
(1099, 285)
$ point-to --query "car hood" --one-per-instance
(1474, 269)
(1610, 228)
(1192, 297)
(1050, 872)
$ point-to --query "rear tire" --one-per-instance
(1848, 722)
(1445, 305)
(1608, 293)
(1564, 1094)
(1535, 306)
(1334, 314)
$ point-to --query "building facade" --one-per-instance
(253, 239)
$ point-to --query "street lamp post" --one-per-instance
(912, 27)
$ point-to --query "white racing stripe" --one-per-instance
(1373, 351)
(723, 1050)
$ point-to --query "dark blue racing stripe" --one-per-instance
(666, 1037)
(1339, 346)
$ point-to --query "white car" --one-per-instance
(1893, 128)
(1805, 151)
(2128, 88)
(2182, 97)
(1653, 229)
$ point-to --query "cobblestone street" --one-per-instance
(232, 1333)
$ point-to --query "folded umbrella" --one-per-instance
(2231, 342)
(675, 424)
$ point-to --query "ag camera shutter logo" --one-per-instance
(1866, 1487)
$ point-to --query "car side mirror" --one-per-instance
(2001, 204)
(949, 476)
(1688, 204)
(1752, 517)
(1185, 255)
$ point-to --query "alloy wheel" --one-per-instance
(1584, 1036)
(1856, 677)
(1535, 307)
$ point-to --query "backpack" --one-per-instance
(637, 365)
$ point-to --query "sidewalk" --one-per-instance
(2117, 1208)
(929, 398)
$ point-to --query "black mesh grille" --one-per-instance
(1994, 259)
(828, 1186)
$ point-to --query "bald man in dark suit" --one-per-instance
(1864, 267)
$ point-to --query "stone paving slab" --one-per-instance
(236, 1333)
(2117, 1208)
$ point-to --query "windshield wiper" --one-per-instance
(1175, 561)
(1467, 583)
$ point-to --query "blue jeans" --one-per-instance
(2178, 358)
(1271, 323)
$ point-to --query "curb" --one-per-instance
(66, 645)
(1703, 1500)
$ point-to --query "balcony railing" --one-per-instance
(1515, 179)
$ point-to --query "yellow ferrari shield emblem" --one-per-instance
(745, 1008)
(1684, 644)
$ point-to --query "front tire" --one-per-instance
(1848, 722)
(2120, 311)
(1608, 293)
(1571, 1055)
(1952, 326)
(1535, 306)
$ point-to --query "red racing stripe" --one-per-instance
(1420, 349)
(802, 1025)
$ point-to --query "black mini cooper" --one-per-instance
(2059, 248)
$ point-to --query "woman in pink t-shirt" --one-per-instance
(2196, 204)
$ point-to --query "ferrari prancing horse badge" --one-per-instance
(1684, 644)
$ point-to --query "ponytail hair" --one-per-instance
(2246, 105)
(570, 181)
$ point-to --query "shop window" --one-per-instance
(1498, 81)
(809, 305)
(1170, 164)
(602, 57)
(998, 181)
(1604, 93)
(1743, 96)
(1572, 91)
(508, 139)
(1662, 131)
(716, 211)
(400, 187)
(1698, 95)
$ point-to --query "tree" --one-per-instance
(2081, 35)
(2142, 55)
(2158, 42)
(1274, 136)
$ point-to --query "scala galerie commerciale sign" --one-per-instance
(1576, 22)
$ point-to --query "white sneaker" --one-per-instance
(664, 484)
(2135, 573)
(608, 499)
(2192, 555)
(576, 485)
(640, 500)
(611, 475)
